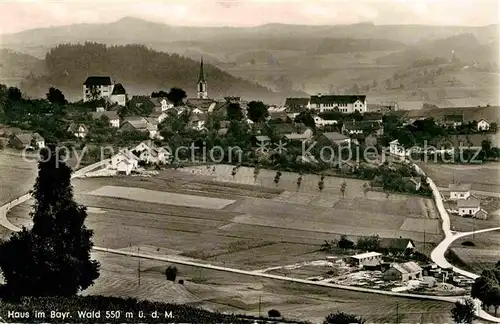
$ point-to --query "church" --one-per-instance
(202, 84)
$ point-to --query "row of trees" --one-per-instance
(486, 288)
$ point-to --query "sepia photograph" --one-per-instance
(250, 161)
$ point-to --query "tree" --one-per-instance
(368, 243)
(277, 178)
(486, 148)
(342, 189)
(321, 185)
(343, 318)
(56, 251)
(306, 118)
(273, 313)
(234, 111)
(177, 96)
(159, 94)
(345, 243)
(463, 312)
(234, 171)
(171, 273)
(55, 96)
(14, 94)
(493, 127)
(1, 145)
(257, 111)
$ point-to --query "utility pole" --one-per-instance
(139, 268)
(260, 297)
(397, 313)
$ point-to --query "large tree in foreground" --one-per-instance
(52, 258)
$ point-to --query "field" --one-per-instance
(483, 178)
(483, 254)
(241, 225)
(242, 294)
(17, 176)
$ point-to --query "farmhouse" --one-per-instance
(459, 191)
(306, 135)
(197, 122)
(342, 103)
(366, 259)
(296, 105)
(396, 245)
(396, 149)
(148, 152)
(412, 183)
(403, 272)
(454, 120)
(26, 141)
(159, 116)
(320, 122)
(124, 166)
(362, 127)
(124, 155)
(78, 130)
(483, 125)
(114, 119)
(336, 138)
(161, 104)
(468, 207)
(140, 124)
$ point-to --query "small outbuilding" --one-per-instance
(366, 259)
(403, 272)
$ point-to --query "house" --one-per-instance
(453, 120)
(335, 138)
(23, 141)
(412, 183)
(363, 127)
(148, 152)
(260, 141)
(366, 259)
(124, 155)
(396, 245)
(161, 104)
(124, 167)
(403, 272)
(97, 87)
(468, 207)
(296, 105)
(342, 103)
(141, 124)
(396, 149)
(320, 122)
(159, 116)
(144, 103)
(78, 130)
(306, 135)
(281, 129)
(114, 119)
(118, 95)
(483, 125)
(459, 191)
(197, 122)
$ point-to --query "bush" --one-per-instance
(273, 313)
(343, 318)
(181, 282)
(468, 243)
(344, 243)
(171, 273)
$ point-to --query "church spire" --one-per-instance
(201, 78)
(202, 83)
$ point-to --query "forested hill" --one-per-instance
(139, 69)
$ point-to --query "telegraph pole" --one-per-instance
(397, 313)
(260, 297)
(139, 268)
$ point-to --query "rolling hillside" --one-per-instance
(139, 69)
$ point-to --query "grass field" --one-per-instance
(242, 294)
(264, 227)
(484, 254)
(17, 176)
(484, 177)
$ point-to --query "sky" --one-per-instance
(21, 15)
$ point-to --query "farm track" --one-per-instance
(441, 248)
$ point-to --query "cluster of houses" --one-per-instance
(464, 203)
(128, 161)
(401, 272)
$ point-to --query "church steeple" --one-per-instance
(202, 83)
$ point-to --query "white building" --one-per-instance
(483, 125)
(320, 122)
(114, 119)
(124, 166)
(468, 207)
(78, 130)
(460, 191)
(162, 104)
(342, 103)
(396, 149)
(366, 259)
(118, 95)
(132, 161)
(97, 87)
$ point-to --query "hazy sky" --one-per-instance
(26, 14)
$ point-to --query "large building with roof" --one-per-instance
(324, 103)
(102, 87)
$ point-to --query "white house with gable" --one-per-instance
(459, 191)
(483, 125)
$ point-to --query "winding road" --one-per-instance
(437, 254)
